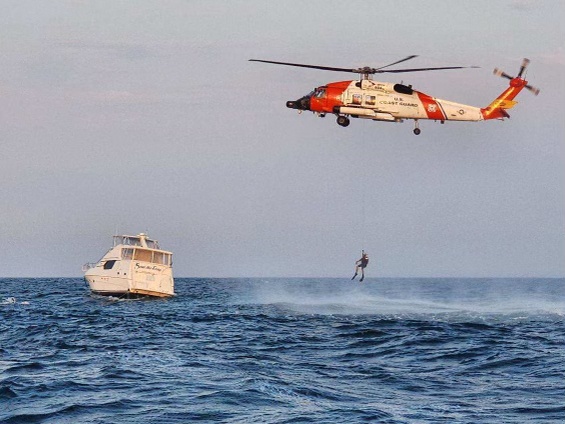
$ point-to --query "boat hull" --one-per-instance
(131, 295)
(158, 283)
(134, 267)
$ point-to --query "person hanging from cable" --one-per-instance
(361, 264)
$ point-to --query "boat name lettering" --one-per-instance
(149, 267)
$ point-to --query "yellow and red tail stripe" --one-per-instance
(497, 109)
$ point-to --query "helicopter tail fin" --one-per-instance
(497, 108)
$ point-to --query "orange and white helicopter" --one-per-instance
(384, 101)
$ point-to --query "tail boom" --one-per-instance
(497, 109)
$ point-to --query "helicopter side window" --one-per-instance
(356, 100)
(371, 100)
(403, 89)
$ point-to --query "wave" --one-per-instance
(73, 409)
(286, 350)
(13, 301)
(30, 367)
(367, 299)
(7, 393)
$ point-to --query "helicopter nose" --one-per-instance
(301, 104)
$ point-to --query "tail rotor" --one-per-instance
(534, 90)
(518, 79)
(502, 74)
(525, 63)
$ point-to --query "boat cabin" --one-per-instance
(142, 250)
(146, 255)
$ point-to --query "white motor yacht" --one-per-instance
(135, 266)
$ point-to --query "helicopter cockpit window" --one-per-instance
(320, 93)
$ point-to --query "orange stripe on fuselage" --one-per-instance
(432, 108)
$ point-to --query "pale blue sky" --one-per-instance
(147, 116)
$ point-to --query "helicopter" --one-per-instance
(384, 101)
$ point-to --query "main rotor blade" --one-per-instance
(396, 63)
(366, 70)
(396, 71)
(301, 65)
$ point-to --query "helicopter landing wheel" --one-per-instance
(416, 127)
(343, 120)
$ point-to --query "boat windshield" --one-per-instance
(127, 253)
(145, 255)
(127, 240)
(152, 244)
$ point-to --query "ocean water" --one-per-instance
(285, 351)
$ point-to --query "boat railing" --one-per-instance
(88, 265)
